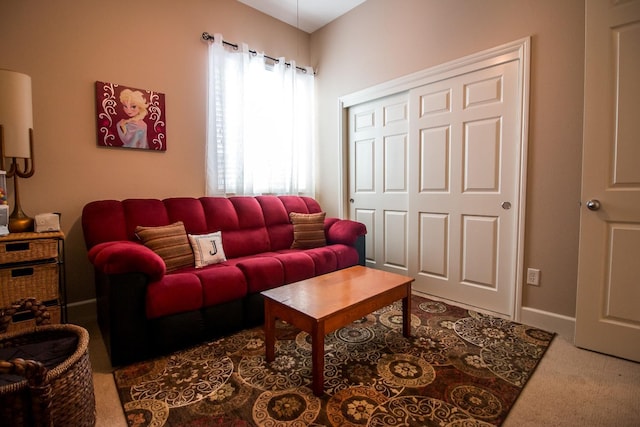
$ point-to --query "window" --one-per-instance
(260, 126)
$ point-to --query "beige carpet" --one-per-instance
(570, 387)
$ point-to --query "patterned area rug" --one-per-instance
(459, 368)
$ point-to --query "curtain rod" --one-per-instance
(208, 37)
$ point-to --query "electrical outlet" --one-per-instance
(533, 276)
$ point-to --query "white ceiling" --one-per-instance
(307, 15)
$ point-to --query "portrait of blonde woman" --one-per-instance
(133, 130)
(129, 117)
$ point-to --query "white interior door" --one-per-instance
(378, 171)
(464, 187)
(607, 315)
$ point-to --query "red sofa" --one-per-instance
(145, 310)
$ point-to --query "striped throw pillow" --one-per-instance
(308, 230)
(170, 242)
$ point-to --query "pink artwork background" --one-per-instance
(111, 114)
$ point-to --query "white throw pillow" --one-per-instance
(207, 248)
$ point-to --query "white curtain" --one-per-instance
(260, 126)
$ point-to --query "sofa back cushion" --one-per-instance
(277, 221)
(220, 214)
(300, 204)
(143, 212)
(242, 224)
(103, 221)
(249, 225)
(188, 210)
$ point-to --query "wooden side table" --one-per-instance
(32, 265)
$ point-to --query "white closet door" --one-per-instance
(464, 187)
(378, 172)
(436, 172)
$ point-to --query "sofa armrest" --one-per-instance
(121, 257)
(343, 231)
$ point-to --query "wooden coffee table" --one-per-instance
(328, 302)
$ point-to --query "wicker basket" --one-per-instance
(60, 396)
(39, 314)
(28, 250)
(39, 281)
(26, 321)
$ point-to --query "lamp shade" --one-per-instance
(16, 112)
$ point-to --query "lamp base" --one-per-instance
(19, 222)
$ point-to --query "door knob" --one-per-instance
(351, 200)
(593, 204)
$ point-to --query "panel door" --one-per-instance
(464, 188)
(378, 172)
(607, 314)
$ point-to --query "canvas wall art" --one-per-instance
(129, 117)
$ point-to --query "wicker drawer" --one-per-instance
(37, 280)
(28, 250)
(26, 320)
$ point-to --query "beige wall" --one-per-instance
(382, 40)
(67, 45)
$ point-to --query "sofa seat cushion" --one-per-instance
(297, 266)
(328, 258)
(261, 272)
(221, 283)
(346, 256)
(324, 259)
(174, 293)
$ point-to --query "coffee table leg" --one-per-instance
(406, 314)
(317, 359)
(269, 332)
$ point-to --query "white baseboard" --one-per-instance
(460, 304)
(82, 311)
(552, 322)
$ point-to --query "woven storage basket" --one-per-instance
(26, 321)
(28, 250)
(39, 281)
(60, 396)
